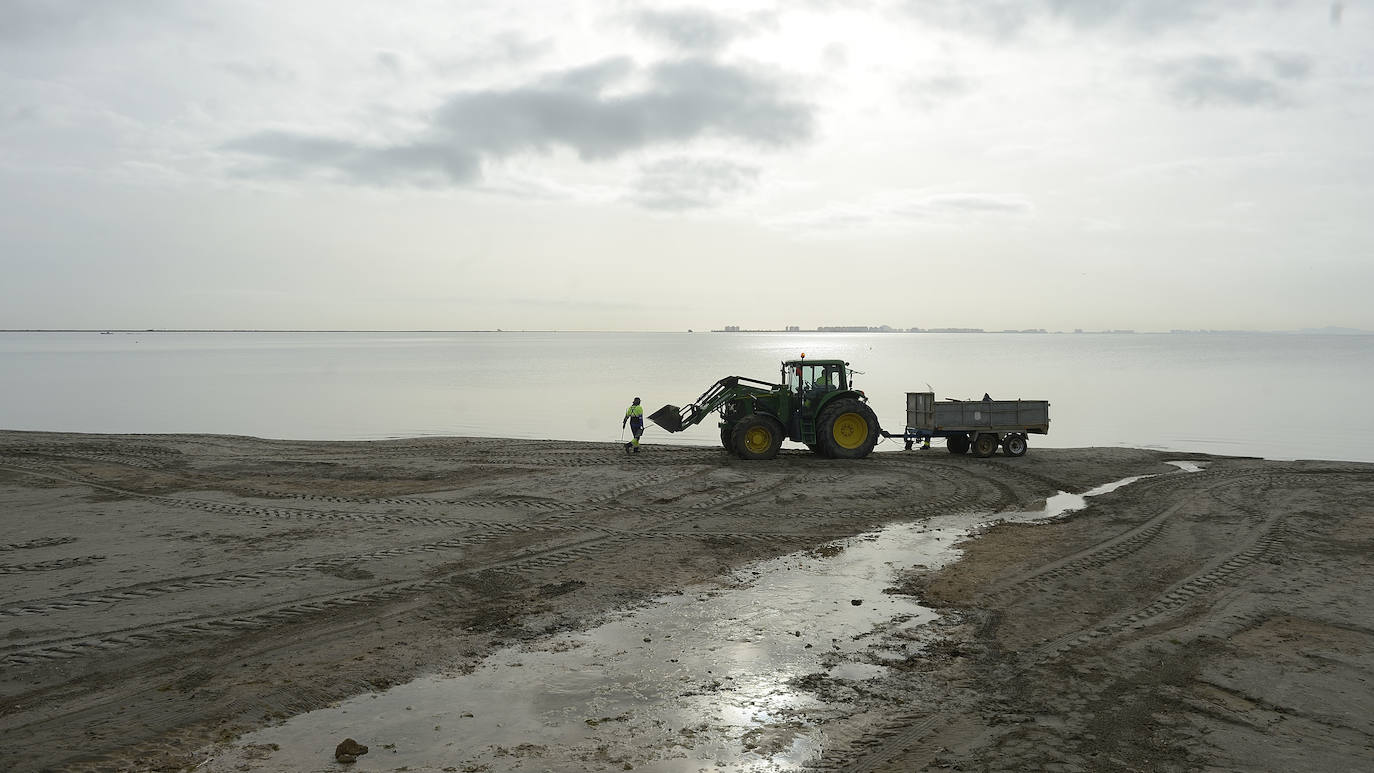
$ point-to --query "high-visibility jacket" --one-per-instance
(635, 412)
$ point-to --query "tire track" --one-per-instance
(41, 542)
(239, 622)
(875, 749)
(277, 512)
(650, 479)
(48, 566)
(1120, 545)
(899, 735)
(279, 614)
(182, 584)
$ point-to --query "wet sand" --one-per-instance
(164, 595)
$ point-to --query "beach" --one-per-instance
(164, 595)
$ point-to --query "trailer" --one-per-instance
(976, 426)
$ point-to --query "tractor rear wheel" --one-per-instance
(757, 436)
(727, 431)
(957, 444)
(847, 429)
(984, 445)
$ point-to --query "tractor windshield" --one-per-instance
(815, 378)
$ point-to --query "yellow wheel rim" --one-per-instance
(850, 431)
(757, 439)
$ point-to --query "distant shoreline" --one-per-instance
(1326, 331)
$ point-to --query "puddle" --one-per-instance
(1064, 503)
(713, 678)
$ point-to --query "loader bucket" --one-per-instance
(668, 417)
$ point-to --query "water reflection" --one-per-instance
(702, 679)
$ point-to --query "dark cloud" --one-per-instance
(691, 183)
(1210, 80)
(690, 29)
(590, 78)
(678, 102)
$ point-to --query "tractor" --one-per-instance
(814, 404)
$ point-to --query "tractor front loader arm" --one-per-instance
(675, 419)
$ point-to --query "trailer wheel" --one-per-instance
(756, 437)
(957, 444)
(847, 429)
(1014, 445)
(984, 445)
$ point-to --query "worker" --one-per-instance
(634, 415)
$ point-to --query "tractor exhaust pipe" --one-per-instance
(668, 417)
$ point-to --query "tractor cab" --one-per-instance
(811, 379)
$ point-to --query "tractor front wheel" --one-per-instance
(727, 432)
(848, 429)
(957, 444)
(757, 436)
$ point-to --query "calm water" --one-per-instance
(1278, 396)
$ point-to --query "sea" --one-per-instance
(1271, 395)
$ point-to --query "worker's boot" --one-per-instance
(627, 448)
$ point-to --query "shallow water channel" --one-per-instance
(708, 679)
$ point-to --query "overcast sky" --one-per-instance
(1146, 164)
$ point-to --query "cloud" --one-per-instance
(1005, 18)
(906, 208)
(259, 72)
(1209, 80)
(390, 62)
(1288, 65)
(44, 21)
(501, 51)
(688, 29)
(997, 18)
(682, 183)
(294, 154)
(676, 102)
(931, 92)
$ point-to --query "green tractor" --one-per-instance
(814, 404)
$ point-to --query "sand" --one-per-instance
(163, 595)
